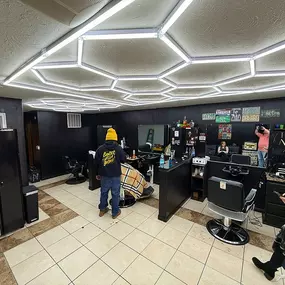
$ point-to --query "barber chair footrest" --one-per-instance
(234, 234)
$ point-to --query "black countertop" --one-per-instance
(175, 165)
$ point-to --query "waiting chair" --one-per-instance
(240, 159)
(227, 198)
(75, 168)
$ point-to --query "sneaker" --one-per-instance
(103, 212)
(116, 216)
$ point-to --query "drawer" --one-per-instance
(277, 210)
(274, 221)
(272, 197)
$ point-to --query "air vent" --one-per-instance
(3, 121)
(73, 121)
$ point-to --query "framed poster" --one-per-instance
(208, 117)
(223, 119)
(250, 114)
(225, 132)
(236, 114)
(270, 113)
(224, 112)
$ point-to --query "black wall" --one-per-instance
(127, 122)
(14, 114)
(56, 140)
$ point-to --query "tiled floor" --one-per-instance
(136, 249)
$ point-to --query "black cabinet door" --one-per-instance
(11, 201)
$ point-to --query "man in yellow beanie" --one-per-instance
(108, 160)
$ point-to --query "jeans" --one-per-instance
(262, 158)
(113, 184)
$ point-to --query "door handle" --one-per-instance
(1, 184)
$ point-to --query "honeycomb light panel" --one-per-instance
(76, 33)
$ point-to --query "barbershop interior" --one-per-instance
(142, 142)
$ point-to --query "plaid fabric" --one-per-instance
(132, 181)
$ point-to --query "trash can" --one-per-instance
(31, 204)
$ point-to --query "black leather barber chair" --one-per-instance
(76, 169)
(240, 159)
(227, 198)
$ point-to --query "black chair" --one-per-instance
(228, 199)
(75, 168)
(240, 159)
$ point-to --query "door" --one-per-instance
(101, 133)
(11, 200)
(33, 144)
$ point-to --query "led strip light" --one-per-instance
(83, 32)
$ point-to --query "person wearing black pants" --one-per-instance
(278, 257)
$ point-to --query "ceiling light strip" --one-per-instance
(219, 59)
(39, 76)
(100, 17)
(97, 71)
(175, 47)
(234, 79)
(269, 50)
(193, 86)
(252, 67)
(138, 77)
(270, 73)
(114, 84)
(173, 69)
(121, 34)
(168, 82)
(175, 14)
(79, 51)
(56, 65)
(89, 97)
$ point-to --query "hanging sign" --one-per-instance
(223, 119)
(236, 114)
(208, 117)
(250, 114)
(225, 132)
(270, 113)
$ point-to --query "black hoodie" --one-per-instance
(108, 159)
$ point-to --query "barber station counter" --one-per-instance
(275, 208)
(174, 188)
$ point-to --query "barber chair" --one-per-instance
(75, 168)
(227, 198)
(240, 159)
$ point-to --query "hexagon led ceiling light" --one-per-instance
(169, 89)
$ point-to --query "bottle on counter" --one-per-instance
(161, 161)
(193, 152)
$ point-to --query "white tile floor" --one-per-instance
(136, 249)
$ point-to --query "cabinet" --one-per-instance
(11, 197)
(197, 181)
(275, 208)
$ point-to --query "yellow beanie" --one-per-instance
(111, 135)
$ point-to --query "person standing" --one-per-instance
(277, 259)
(263, 144)
(108, 160)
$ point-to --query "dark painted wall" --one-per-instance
(14, 114)
(127, 122)
(56, 140)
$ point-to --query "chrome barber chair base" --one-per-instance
(232, 234)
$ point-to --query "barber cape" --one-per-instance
(132, 181)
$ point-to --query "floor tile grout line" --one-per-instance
(205, 264)
(174, 255)
(241, 275)
(10, 268)
(27, 257)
